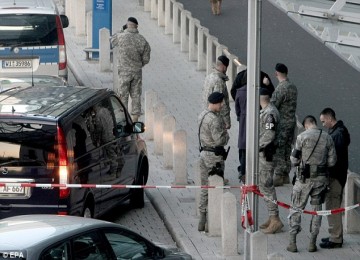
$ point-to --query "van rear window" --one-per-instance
(27, 30)
(27, 144)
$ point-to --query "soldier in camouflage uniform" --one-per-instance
(315, 152)
(285, 100)
(269, 120)
(133, 54)
(216, 81)
(212, 133)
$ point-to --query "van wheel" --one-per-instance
(88, 211)
(137, 195)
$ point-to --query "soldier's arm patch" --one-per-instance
(270, 122)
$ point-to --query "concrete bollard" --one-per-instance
(258, 242)
(177, 8)
(104, 49)
(154, 9)
(80, 17)
(159, 111)
(68, 8)
(72, 15)
(210, 59)
(352, 196)
(220, 49)
(141, 2)
(276, 256)
(229, 232)
(150, 100)
(161, 13)
(180, 157)
(168, 21)
(201, 64)
(214, 200)
(89, 16)
(184, 40)
(193, 48)
(147, 5)
(168, 140)
(115, 70)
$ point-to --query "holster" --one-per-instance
(217, 169)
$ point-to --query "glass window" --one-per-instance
(57, 252)
(89, 246)
(122, 125)
(128, 246)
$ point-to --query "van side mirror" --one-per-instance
(64, 20)
(138, 127)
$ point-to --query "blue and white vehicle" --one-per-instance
(32, 41)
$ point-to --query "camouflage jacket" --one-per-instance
(211, 129)
(269, 125)
(324, 153)
(216, 82)
(133, 50)
(285, 100)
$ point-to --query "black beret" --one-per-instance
(224, 60)
(265, 92)
(216, 97)
(133, 20)
(281, 68)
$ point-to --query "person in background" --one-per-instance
(338, 175)
(216, 6)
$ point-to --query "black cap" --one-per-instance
(133, 20)
(216, 97)
(281, 68)
(224, 60)
(265, 92)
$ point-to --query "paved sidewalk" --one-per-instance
(179, 85)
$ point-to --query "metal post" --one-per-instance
(252, 119)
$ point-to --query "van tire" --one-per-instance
(137, 194)
(88, 211)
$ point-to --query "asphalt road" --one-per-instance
(323, 79)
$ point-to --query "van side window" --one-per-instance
(122, 126)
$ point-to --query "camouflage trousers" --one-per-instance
(130, 83)
(208, 160)
(313, 188)
(266, 171)
(283, 151)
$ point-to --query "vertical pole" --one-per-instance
(252, 119)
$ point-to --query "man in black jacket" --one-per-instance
(338, 176)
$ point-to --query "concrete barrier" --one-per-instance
(80, 17)
(194, 25)
(159, 111)
(154, 9)
(229, 231)
(168, 140)
(104, 50)
(147, 5)
(89, 17)
(168, 17)
(177, 9)
(352, 197)
(214, 200)
(161, 13)
(184, 38)
(180, 157)
(201, 59)
(150, 100)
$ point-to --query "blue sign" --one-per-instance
(102, 18)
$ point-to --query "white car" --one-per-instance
(66, 237)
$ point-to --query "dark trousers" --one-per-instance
(242, 160)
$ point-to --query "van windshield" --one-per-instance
(27, 144)
(27, 30)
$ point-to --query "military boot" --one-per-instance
(266, 224)
(275, 225)
(312, 244)
(278, 180)
(202, 221)
(218, 9)
(292, 244)
(213, 8)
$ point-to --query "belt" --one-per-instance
(208, 149)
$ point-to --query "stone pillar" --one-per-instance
(159, 111)
(168, 19)
(176, 26)
(209, 53)
(89, 16)
(214, 200)
(161, 13)
(80, 17)
(154, 9)
(229, 232)
(193, 48)
(147, 5)
(352, 196)
(180, 157)
(104, 49)
(168, 140)
(258, 241)
(184, 40)
(150, 101)
(220, 49)
(201, 64)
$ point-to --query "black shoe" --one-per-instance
(325, 239)
(330, 244)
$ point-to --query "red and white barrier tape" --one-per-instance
(245, 189)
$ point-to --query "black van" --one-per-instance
(75, 135)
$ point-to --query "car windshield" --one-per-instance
(27, 30)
